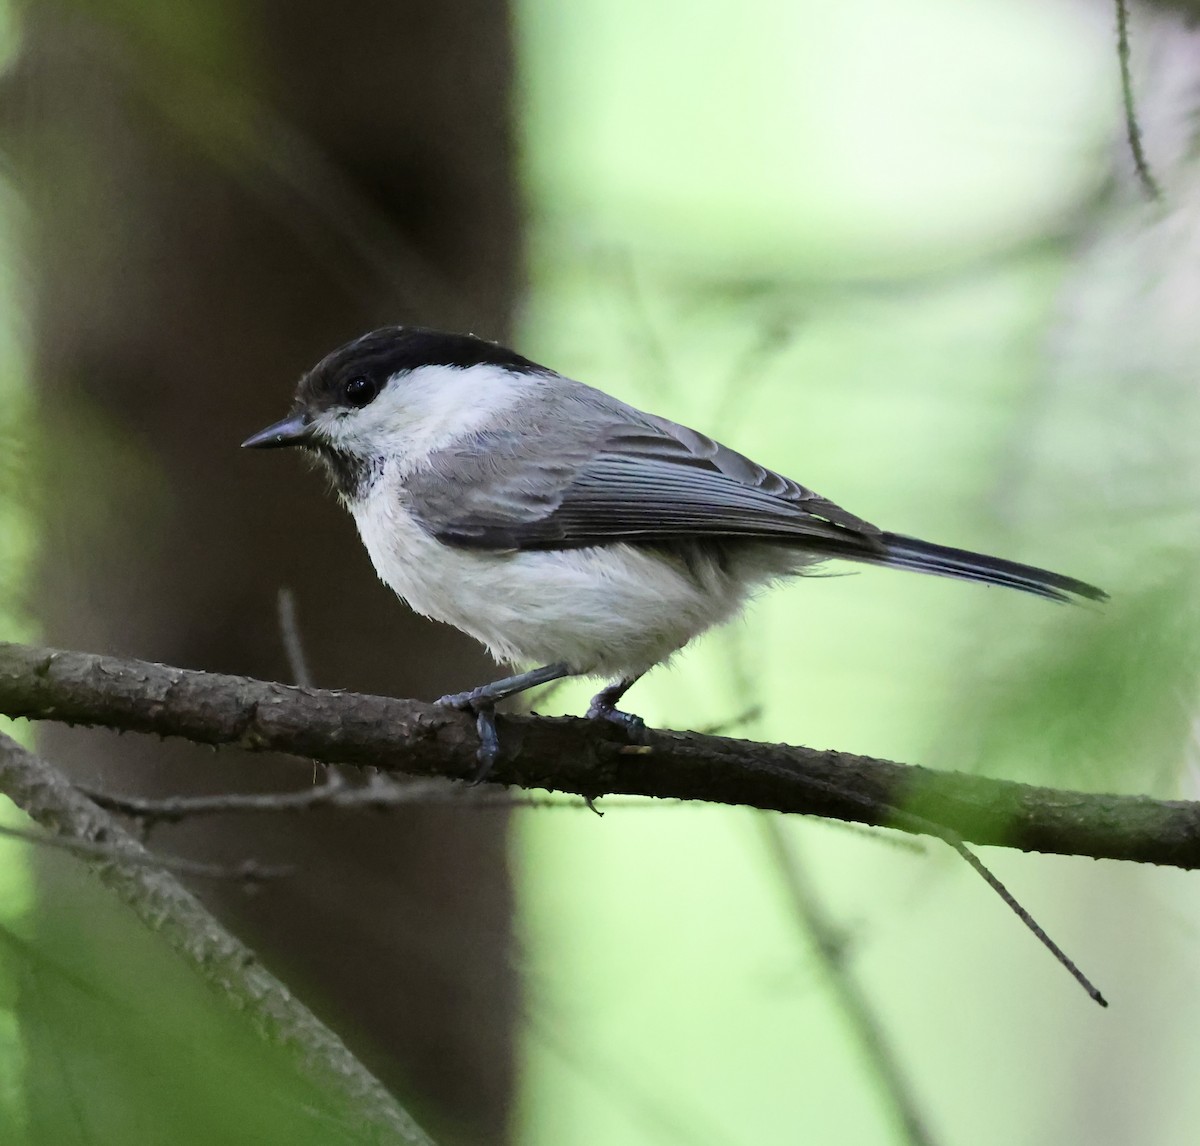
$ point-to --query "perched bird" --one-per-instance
(564, 528)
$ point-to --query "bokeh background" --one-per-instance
(897, 251)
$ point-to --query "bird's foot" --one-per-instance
(464, 701)
(483, 708)
(482, 701)
(634, 726)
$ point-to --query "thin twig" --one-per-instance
(907, 821)
(994, 883)
(378, 793)
(293, 646)
(249, 872)
(744, 719)
(880, 835)
(304, 187)
(622, 1084)
(1133, 130)
(364, 1108)
(749, 372)
(826, 937)
(919, 823)
(636, 328)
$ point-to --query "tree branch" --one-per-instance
(582, 757)
(232, 969)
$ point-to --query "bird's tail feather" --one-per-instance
(899, 552)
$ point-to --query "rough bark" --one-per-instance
(588, 758)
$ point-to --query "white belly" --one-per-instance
(609, 611)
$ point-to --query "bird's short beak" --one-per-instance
(293, 431)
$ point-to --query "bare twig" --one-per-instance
(376, 794)
(881, 836)
(249, 871)
(293, 646)
(826, 937)
(577, 756)
(994, 883)
(624, 1084)
(1133, 130)
(750, 370)
(748, 716)
(920, 824)
(367, 1112)
(305, 189)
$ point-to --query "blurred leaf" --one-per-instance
(1097, 702)
(125, 1044)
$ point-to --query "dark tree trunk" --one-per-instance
(217, 202)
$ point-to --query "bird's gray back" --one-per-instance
(573, 466)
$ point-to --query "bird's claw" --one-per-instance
(634, 726)
(484, 712)
(463, 701)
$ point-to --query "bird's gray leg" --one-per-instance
(604, 707)
(482, 702)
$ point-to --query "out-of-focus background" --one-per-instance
(897, 251)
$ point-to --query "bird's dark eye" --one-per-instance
(361, 392)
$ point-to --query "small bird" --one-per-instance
(562, 527)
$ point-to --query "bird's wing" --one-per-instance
(595, 471)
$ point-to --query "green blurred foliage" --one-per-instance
(1103, 708)
(852, 240)
(130, 1044)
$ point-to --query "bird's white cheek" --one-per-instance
(426, 410)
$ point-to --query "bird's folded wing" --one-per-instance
(610, 477)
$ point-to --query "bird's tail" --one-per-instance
(899, 552)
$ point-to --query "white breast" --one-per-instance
(609, 611)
